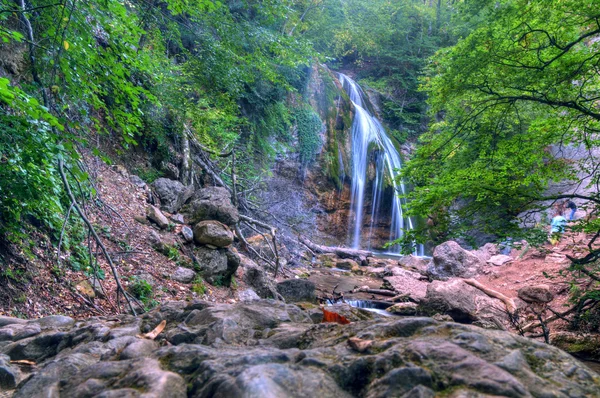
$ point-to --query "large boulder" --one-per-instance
(211, 232)
(211, 203)
(172, 194)
(272, 349)
(217, 266)
(296, 290)
(536, 294)
(450, 260)
(463, 302)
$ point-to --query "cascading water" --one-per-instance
(367, 132)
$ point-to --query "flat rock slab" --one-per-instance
(499, 260)
(326, 280)
(407, 282)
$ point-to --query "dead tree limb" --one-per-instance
(62, 233)
(343, 252)
(234, 181)
(93, 232)
(198, 159)
(273, 231)
(508, 302)
(381, 292)
(534, 325)
(240, 235)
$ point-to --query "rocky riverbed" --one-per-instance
(266, 348)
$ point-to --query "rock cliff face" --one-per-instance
(271, 349)
(321, 189)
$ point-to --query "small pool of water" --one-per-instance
(369, 305)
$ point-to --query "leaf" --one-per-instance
(157, 330)
(66, 44)
(333, 317)
(359, 345)
(23, 362)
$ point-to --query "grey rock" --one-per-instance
(414, 263)
(155, 215)
(19, 331)
(211, 232)
(140, 348)
(248, 295)
(346, 264)
(296, 290)
(125, 379)
(499, 260)
(161, 243)
(9, 374)
(36, 348)
(177, 218)
(217, 266)
(137, 181)
(211, 203)
(54, 321)
(407, 308)
(450, 260)
(464, 303)
(171, 171)
(407, 282)
(183, 275)
(486, 251)
(278, 380)
(269, 348)
(535, 294)
(7, 320)
(257, 278)
(187, 233)
(172, 194)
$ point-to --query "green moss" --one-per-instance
(309, 126)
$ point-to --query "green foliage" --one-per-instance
(198, 286)
(141, 289)
(141, 74)
(309, 127)
(519, 84)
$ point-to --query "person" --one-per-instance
(571, 205)
(557, 227)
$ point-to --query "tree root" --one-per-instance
(508, 302)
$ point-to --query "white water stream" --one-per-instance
(368, 132)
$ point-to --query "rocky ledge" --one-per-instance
(266, 348)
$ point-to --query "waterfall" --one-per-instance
(367, 132)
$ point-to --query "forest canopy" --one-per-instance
(506, 102)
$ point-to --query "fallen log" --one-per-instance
(381, 292)
(342, 252)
